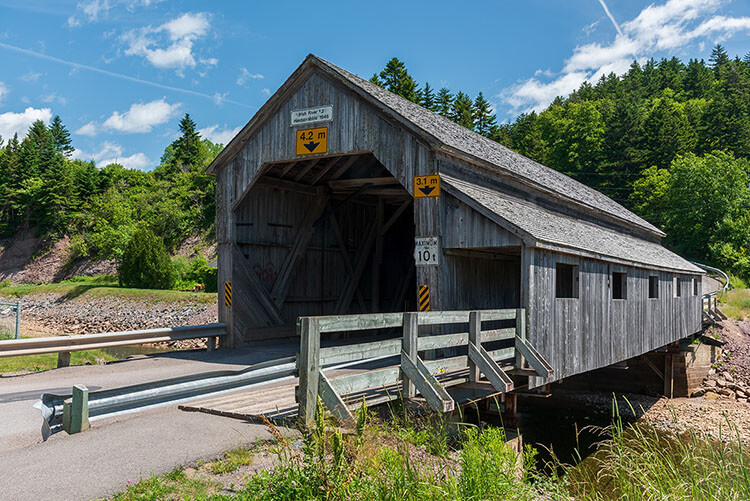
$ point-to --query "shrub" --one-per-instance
(145, 263)
(189, 273)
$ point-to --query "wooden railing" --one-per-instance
(711, 311)
(411, 375)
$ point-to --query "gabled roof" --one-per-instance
(539, 227)
(449, 137)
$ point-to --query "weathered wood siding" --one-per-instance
(356, 127)
(594, 330)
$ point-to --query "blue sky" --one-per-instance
(121, 73)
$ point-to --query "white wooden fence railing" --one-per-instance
(412, 375)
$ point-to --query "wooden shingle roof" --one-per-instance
(539, 227)
(446, 136)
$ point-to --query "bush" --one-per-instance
(145, 263)
(189, 273)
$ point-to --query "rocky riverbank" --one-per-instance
(53, 314)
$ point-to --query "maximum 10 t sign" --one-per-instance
(426, 251)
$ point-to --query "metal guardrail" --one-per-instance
(727, 284)
(17, 307)
(137, 398)
(67, 344)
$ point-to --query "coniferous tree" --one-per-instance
(396, 79)
(61, 137)
(719, 58)
(187, 148)
(444, 102)
(427, 97)
(485, 121)
(462, 111)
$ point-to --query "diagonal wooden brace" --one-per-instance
(535, 360)
(494, 374)
(426, 384)
(333, 401)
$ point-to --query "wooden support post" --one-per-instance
(63, 359)
(309, 368)
(377, 257)
(510, 410)
(475, 338)
(76, 411)
(669, 375)
(520, 334)
(409, 345)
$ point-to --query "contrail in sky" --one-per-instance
(611, 17)
(73, 64)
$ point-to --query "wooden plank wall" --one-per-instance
(580, 334)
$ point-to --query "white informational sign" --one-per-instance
(312, 115)
(426, 251)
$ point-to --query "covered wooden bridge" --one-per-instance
(341, 198)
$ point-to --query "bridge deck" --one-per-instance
(277, 402)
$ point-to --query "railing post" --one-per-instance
(475, 338)
(520, 333)
(76, 411)
(309, 368)
(409, 345)
(63, 359)
(18, 319)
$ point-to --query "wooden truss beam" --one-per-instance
(345, 256)
(301, 242)
(426, 384)
(246, 275)
(353, 283)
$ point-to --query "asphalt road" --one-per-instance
(102, 460)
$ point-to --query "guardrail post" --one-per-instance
(309, 368)
(475, 338)
(210, 343)
(520, 333)
(63, 359)
(76, 411)
(18, 319)
(409, 345)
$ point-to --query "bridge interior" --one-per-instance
(322, 236)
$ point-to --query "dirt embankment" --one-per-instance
(28, 260)
(52, 314)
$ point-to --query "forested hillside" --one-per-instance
(668, 140)
(100, 207)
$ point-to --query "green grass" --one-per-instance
(173, 485)
(736, 303)
(232, 461)
(381, 460)
(49, 361)
(641, 462)
(104, 285)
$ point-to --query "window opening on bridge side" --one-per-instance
(619, 285)
(566, 280)
(695, 287)
(676, 286)
(653, 287)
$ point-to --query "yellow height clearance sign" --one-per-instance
(427, 186)
(312, 141)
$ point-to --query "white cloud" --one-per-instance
(110, 153)
(52, 97)
(4, 91)
(266, 91)
(90, 129)
(245, 76)
(19, 123)
(141, 117)
(30, 77)
(669, 26)
(91, 11)
(219, 136)
(170, 45)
